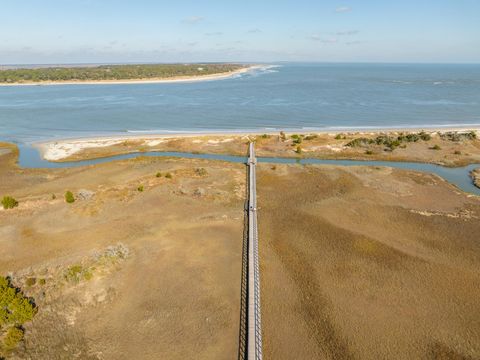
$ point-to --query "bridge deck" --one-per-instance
(254, 330)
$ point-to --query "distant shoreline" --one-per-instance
(179, 79)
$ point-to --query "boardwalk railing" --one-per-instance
(254, 330)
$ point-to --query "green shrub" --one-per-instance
(338, 137)
(297, 139)
(201, 172)
(140, 188)
(15, 308)
(369, 152)
(393, 144)
(412, 137)
(158, 174)
(13, 305)
(9, 202)
(12, 338)
(54, 196)
(456, 136)
(168, 175)
(69, 198)
(30, 281)
(76, 273)
(42, 281)
(360, 142)
(299, 149)
(310, 137)
(436, 147)
(424, 136)
(265, 136)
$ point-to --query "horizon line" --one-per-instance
(244, 62)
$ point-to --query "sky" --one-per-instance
(120, 31)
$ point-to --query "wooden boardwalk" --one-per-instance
(254, 327)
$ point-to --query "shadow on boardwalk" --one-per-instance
(242, 335)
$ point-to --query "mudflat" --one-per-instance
(367, 263)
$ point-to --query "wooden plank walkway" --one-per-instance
(254, 329)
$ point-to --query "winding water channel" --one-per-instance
(459, 176)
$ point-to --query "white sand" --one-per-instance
(154, 142)
(62, 149)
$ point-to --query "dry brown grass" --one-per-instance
(177, 296)
(353, 270)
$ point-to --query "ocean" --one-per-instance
(287, 96)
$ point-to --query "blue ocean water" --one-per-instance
(284, 97)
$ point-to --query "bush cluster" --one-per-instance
(15, 310)
(76, 273)
(390, 142)
(456, 136)
(297, 139)
(201, 172)
(9, 202)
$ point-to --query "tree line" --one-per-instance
(113, 72)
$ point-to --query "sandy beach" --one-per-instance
(180, 79)
(324, 145)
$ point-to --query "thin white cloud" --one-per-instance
(217, 33)
(321, 39)
(346, 33)
(354, 42)
(343, 9)
(193, 19)
(254, 31)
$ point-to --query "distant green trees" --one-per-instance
(113, 72)
(9, 202)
